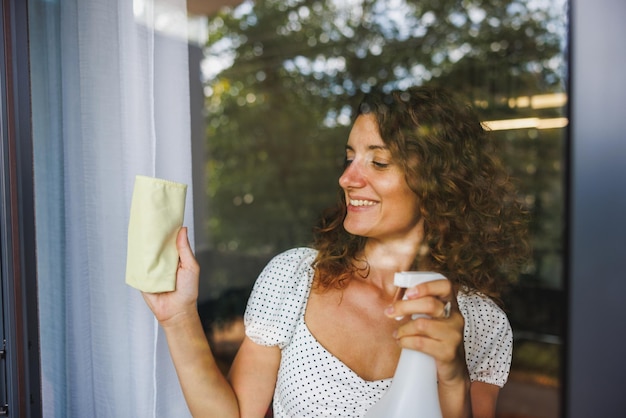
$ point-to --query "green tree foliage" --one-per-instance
(285, 74)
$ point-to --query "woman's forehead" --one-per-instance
(365, 131)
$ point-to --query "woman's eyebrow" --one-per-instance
(370, 147)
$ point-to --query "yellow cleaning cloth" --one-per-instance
(156, 216)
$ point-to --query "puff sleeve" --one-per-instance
(279, 296)
(488, 339)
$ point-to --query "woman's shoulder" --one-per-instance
(297, 255)
(279, 296)
(470, 301)
(480, 311)
(287, 271)
(284, 267)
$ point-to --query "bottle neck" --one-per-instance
(415, 369)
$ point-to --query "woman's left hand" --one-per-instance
(439, 333)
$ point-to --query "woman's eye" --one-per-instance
(376, 164)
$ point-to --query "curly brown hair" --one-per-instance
(475, 229)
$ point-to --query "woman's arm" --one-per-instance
(484, 399)
(207, 392)
(253, 377)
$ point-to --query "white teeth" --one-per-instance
(362, 202)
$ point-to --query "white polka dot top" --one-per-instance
(311, 382)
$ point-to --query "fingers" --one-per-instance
(437, 288)
(437, 325)
(182, 241)
(442, 351)
(183, 299)
(449, 330)
(436, 337)
(431, 307)
(187, 259)
(436, 299)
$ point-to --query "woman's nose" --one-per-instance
(352, 176)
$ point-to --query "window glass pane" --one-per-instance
(280, 78)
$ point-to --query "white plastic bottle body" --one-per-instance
(413, 392)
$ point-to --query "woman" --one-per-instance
(420, 192)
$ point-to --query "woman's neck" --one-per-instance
(382, 261)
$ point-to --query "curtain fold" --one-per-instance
(110, 98)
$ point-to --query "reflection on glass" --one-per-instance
(280, 78)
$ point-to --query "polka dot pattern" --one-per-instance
(311, 382)
(488, 339)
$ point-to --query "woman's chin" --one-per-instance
(356, 229)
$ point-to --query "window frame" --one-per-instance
(594, 361)
(20, 394)
(17, 226)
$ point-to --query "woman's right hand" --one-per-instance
(168, 306)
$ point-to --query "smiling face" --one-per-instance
(380, 204)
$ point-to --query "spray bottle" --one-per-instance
(413, 391)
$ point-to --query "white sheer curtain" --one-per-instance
(110, 101)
